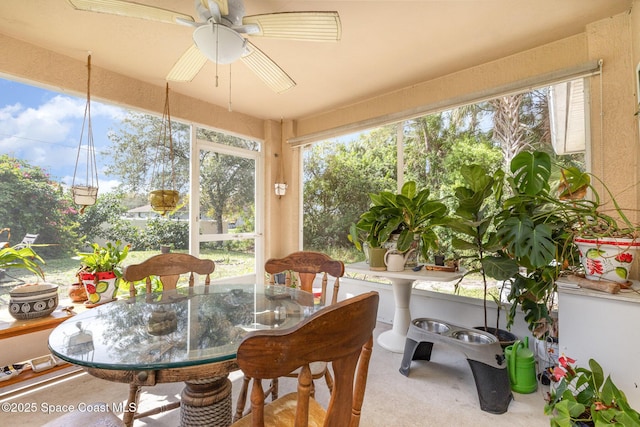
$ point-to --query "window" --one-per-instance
(338, 174)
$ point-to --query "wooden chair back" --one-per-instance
(308, 265)
(168, 267)
(342, 334)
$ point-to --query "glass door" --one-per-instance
(226, 205)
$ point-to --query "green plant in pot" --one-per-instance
(411, 214)
(419, 216)
(584, 397)
(538, 228)
(31, 299)
(534, 230)
(607, 244)
(101, 271)
(477, 204)
(372, 230)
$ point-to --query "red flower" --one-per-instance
(594, 266)
(624, 257)
(564, 360)
(559, 373)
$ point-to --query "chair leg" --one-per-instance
(329, 379)
(242, 399)
(132, 405)
(273, 389)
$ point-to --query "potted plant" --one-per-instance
(32, 299)
(101, 271)
(538, 227)
(606, 244)
(473, 223)
(410, 214)
(583, 397)
(369, 234)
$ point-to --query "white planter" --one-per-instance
(101, 287)
(84, 195)
(607, 258)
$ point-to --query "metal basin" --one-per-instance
(431, 326)
(472, 337)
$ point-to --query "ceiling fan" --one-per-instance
(221, 33)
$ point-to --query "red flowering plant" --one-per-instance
(583, 397)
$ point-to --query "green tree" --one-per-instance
(227, 182)
(337, 181)
(136, 148)
(31, 203)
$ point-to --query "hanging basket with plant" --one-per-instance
(84, 187)
(164, 199)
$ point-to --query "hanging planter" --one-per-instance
(84, 187)
(164, 199)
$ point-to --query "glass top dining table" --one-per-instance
(187, 334)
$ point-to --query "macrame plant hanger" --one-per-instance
(280, 184)
(164, 199)
(85, 192)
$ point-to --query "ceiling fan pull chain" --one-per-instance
(217, 33)
(230, 88)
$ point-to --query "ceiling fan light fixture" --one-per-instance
(220, 44)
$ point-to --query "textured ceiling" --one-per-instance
(385, 45)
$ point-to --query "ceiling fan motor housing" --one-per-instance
(219, 43)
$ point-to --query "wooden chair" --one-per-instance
(341, 334)
(168, 268)
(305, 265)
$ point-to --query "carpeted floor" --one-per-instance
(437, 393)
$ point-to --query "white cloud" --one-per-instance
(48, 135)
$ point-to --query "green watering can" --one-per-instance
(522, 367)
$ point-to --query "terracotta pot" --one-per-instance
(77, 292)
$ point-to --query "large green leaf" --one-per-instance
(409, 189)
(461, 244)
(574, 181)
(476, 178)
(525, 240)
(500, 268)
(531, 171)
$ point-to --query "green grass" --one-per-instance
(228, 264)
(63, 271)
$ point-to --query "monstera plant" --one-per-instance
(541, 224)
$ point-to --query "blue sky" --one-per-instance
(43, 127)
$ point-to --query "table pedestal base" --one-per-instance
(206, 403)
(394, 339)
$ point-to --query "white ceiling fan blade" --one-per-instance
(223, 5)
(188, 66)
(268, 71)
(309, 26)
(130, 9)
